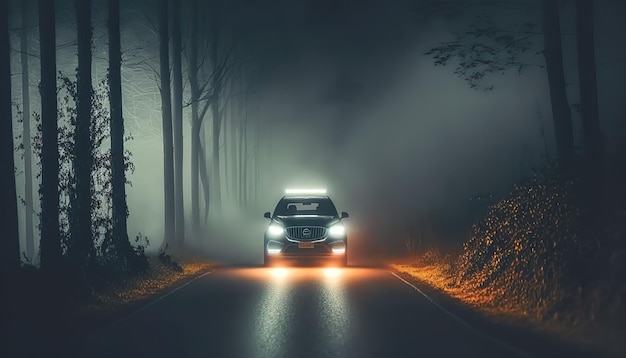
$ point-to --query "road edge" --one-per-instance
(517, 351)
(158, 298)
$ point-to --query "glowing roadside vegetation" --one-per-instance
(438, 272)
(145, 285)
(536, 257)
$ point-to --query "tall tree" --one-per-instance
(177, 82)
(210, 91)
(588, 87)
(81, 247)
(10, 257)
(166, 113)
(492, 49)
(243, 150)
(592, 137)
(195, 118)
(28, 167)
(561, 115)
(118, 182)
(50, 247)
(216, 84)
(234, 157)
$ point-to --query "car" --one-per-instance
(305, 225)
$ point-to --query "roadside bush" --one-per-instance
(167, 260)
(530, 251)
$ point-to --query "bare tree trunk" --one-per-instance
(225, 151)
(195, 119)
(592, 137)
(257, 155)
(242, 151)
(561, 115)
(166, 113)
(50, 247)
(28, 167)
(588, 86)
(241, 155)
(244, 165)
(120, 209)
(10, 257)
(204, 179)
(216, 153)
(177, 75)
(268, 130)
(233, 150)
(82, 243)
(216, 84)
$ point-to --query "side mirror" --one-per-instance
(266, 215)
(344, 215)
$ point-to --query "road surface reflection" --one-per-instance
(303, 311)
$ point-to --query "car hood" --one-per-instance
(306, 220)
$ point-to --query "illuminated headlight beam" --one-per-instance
(339, 250)
(275, 230)
(274, 248)
(332, 272)
(337, 230)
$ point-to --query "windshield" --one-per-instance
(305, 206)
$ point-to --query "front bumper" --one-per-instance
(293, 249)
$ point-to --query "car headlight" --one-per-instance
(337, 230)
(274, 247)
(275, 230)
(339, 247)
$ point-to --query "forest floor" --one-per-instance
(128, 294)
(438, 273)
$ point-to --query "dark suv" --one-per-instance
(305, 226)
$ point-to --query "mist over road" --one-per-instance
(298, 312)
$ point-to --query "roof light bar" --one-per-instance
(305, 191)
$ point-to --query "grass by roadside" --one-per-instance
(438, 271)
(141, 287)
(549, 255)
(441, 272)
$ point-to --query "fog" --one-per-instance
(343, 97)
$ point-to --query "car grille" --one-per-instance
(306, 232)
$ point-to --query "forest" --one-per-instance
(74, 149)
(482, 143)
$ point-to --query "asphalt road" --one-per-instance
(297, 312)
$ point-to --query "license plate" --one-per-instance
(305, 245)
